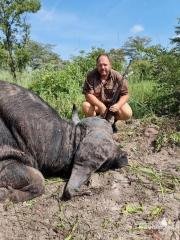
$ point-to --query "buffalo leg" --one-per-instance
(3, 193)
(19, 182)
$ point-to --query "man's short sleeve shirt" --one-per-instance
(105, 91)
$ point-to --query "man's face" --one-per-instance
(103, 66)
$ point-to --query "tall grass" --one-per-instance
(23, 78)
(6, 76)
(141, 94)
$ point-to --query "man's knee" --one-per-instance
(86, 106)
(128, 110)
(125, 113)
(88, 109)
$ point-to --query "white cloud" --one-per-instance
(54, 17)
(46, 16)
(137, 28)
(70, 32)
(65, 26)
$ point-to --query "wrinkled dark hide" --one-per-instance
(35, 141)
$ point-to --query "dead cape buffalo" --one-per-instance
(35, 141)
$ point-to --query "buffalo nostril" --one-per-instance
(66, 196)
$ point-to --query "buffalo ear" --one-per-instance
(120, 160)
(75, 117)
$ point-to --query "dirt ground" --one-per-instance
(140, 201)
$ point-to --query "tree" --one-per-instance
(87, 61)
(176, 39)
(133, 47)
(15, 30)
(118, 58)
(42, 55)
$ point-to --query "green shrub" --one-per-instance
(59, 88)
(166, 73)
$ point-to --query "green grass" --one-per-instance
(141, 91)
(163, 181)
(23, 79)
(6, 76)
(30, 203)
(156, 212)
(53, 180)
(140, 97)
(132, 208)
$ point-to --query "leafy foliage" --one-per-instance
(15, 31)
(42, 55)
(60, 88)
(162, 68)
(87, 61)
(167, 72)
(134, 45)
(176, 39)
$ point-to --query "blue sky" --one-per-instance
(75, 25)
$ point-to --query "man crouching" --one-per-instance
(99, 89)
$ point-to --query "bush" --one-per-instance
(59, 88)
(167, 73)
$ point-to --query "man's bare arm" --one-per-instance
(115, 107)
(93, 100)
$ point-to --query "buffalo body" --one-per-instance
(36, 141)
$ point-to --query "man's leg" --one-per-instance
(89, 110)
(124, 113)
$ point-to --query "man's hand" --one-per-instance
(102, 109)
(114, 108)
